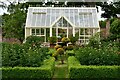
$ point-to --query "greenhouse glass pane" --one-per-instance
(48, 20)
(43, 17)
(38, 20)
(42, 31)
(79, 17)
(28, 22)
(33, 31)
(33, 19)
(37, 31)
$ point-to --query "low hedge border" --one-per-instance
(43, 72)
(91, 72)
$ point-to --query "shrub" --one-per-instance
(51, 51)
(43, 72)
(34, 41)
(115, 29)
(19, 55)
(60, 51)
(55, 55)
(77, 71)
(70, 53)
(93, 56)
(11, 54)
(70, 47)
(53, 39)
(65, 48)
(57, 46)
(73, 39)
(94, 41)
(65, 40)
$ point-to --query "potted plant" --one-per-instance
(73, 40)
(65, 40)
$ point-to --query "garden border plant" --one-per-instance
(78, 71)
(43, 72)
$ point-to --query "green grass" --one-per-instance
(61, 70)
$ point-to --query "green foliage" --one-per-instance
(53, 39)
(77, 71)
(102, 24)
(13, 24)
(72, 61)
(73, 39)
(57, 46)
(70, 52)
(70, 47)
(94, 41)
(115, 29)
(43, 72)
(51, 51)
(65, 48)
(102, 56)
(60, 51)
(11, 54)
(19, 55)
(65, 40)
(34, 41)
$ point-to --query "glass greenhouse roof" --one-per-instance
(75, 16)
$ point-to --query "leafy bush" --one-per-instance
(60, 51)
(70, 47)
(77, 71)
(73, 39)
(57, 46)
(51, 51)
(34, 41)
(55, 55)
(94, 41)
(93, 56)
(19, 55)
(11, 54)
(53, 39)
(43, 72)
(115, 28)
(65, 40)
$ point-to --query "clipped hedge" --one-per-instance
(91, 72)
(43, 72)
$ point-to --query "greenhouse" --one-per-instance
(56, 21)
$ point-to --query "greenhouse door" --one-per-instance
(61, 28)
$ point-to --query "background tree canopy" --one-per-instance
(13, 23)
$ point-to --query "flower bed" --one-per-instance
(77, 70)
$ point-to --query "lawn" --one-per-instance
(61, 70)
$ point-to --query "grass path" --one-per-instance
(61, 70)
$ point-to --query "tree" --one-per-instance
(110, 11)
(115, 29)
(13, 23)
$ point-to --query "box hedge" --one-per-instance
(91, 72)
(43, 72)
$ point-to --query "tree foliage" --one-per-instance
(115, 28)
(13, 23)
